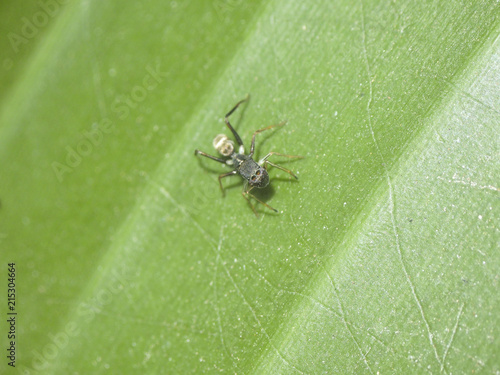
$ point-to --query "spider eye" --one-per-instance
(253, 178)
(258, 173)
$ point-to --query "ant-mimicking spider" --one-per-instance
(255, 174)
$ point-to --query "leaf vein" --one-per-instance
(391, 195)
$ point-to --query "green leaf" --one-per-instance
(383, 255)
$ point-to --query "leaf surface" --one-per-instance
(383, 256)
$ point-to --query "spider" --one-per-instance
(254, 173)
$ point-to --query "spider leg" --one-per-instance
(226, 120)
(278, 154)
(252, 145)
(198, 152)
(283, 169)
(225, 175)
(246, 194)
(265, 161)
